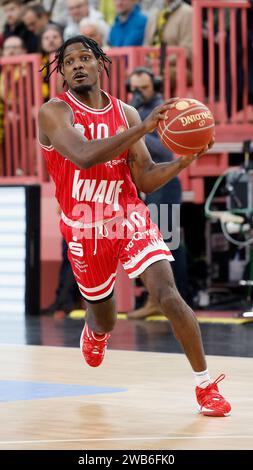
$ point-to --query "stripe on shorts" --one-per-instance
(151, 259)
(155, 251)
(99, 292)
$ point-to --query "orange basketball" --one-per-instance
(188, 127)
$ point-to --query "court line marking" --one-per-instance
(126, 439)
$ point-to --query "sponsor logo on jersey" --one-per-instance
(76, 248)
(113, 163)
(121, 129)
(140, 236)
(102, 191)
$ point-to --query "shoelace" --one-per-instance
(99, 348)
(210, 393)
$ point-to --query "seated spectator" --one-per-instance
(147, 5)
(79, 9)
(35, 18)
(57, 10)
(13, 45)
(15, 27)
(51, 40)
(94, 30)
(172, 26)
(129, 25)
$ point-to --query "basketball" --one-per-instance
(187, 128)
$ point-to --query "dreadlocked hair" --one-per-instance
(59, 55)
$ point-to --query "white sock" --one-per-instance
(202, 378)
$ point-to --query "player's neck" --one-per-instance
(94, 99)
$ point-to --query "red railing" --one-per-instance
(21, 98)
(220, 65)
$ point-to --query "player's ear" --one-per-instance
(100, 65)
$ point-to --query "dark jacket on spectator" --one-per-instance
(31, 41)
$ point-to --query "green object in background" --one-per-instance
(107, 9)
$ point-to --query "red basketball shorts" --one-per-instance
(94, 252)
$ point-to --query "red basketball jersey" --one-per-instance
(104, 189)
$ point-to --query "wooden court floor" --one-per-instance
(136, 400)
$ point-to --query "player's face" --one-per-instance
(81, 68)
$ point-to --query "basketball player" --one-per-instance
(94, 148)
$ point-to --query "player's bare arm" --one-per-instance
(148, 175)
(56, 129)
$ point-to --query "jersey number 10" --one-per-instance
(100, 132)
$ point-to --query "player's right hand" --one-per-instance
(188, 159)
(158, 113)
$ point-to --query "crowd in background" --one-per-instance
(42, 26)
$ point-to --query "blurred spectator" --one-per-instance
(15, 27)
(146, 89)
(57, 10)
(51, 40)
(94, 30)
(129, 25)
(147, 5)
(79, 9)
(13, 45)
(35, 18)
(172, 26)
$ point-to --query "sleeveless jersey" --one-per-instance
(104, 190)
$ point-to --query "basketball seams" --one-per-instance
(181, 145)
(191, 130)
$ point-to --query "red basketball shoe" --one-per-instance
(93, 346)
(211, 402)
